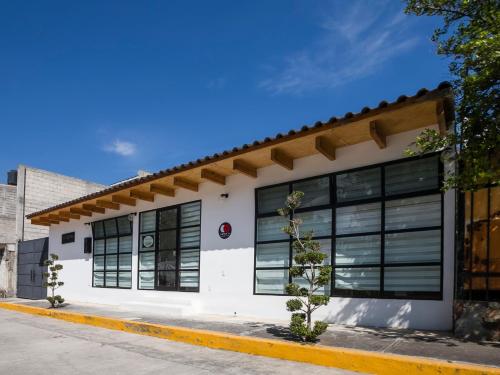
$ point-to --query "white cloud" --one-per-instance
(357, 38)
(122, 148)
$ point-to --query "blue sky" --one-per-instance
(100, 89)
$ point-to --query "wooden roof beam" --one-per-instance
(80, 211)
(107, 204)
(324, 146)
(93, 208)
(142, 195)
(47, 219)
(245, 168)
(68, 215)
(35, 221)
(213, 176)
(57, 217)
(162, 189)
(185, 183)
(377, 135)
(281, 158)
(123, 200)
(441, 118)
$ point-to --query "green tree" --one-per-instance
(308, 267)
(470, 38)
(52, 280)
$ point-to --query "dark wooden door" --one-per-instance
(30, 268)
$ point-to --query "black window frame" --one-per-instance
(156, 250)
(67, 238)
(382, 198)
(118, 253)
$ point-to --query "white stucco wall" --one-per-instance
(226, 266)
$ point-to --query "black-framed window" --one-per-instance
(169, 248)
(112, 256)
(381, 227)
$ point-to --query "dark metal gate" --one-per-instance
(30, 268)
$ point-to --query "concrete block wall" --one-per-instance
(38, 189)
(7, 214)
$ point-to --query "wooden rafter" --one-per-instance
(57, 217)
(377, 135)
(281, 158)
(107, 204)
(185, 183)
(245, 168)
(80, 211)
(162, 189)
(213, 176)
(69, 215)
(93, 208)
(123, 200)
(142, 195)
(324, 146)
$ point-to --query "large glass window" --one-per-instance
(112, 267)
(169, 248)
(380, 227)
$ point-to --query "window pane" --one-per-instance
(125, 262)
(99, 247)
(167, 260)
(269, 228)
(166, 279)
(190, 237)
(303, 283)
(273, 255)
(416, 175)
(110, 227)
(98, 278)
(412, 279)
(111, 279)
(189, 279)
(147, 242)
(358, 219)
(357, 250)
(167, 219)
(111, 262)
(413, 247)
(271, 281)
(126, 244)
(99, 263)
(190, 258)
(270, 199)
(98, 229)
(325, 248)
(111, 245)
(357, 278)
(168, 240)
(148, 221)
(413, 212)
(147, 261)
(190, 214)
(125, 279)
(316, 192)
(146, 280)
(358, 185)
(320, 222)
(124, 225)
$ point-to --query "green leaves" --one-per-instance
(52, 280)
(470, 37)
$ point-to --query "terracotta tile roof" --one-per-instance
(443, 90)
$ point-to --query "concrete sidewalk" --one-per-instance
(428, 344)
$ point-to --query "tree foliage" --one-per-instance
(53, 282)
(470, 37)
(309, 269)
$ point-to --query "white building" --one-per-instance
(160, 242)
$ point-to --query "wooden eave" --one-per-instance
(390, 119)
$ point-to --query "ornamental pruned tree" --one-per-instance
(309, 268)
(470, 38)
(52, 280)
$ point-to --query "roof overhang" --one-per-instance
(426, 108)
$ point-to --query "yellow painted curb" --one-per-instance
(348, 359)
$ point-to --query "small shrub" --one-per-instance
(52, 280)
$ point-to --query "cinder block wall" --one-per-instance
(7, 214)
(39, 189)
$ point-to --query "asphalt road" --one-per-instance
(37, 345)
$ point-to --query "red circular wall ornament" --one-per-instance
(225, 230)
